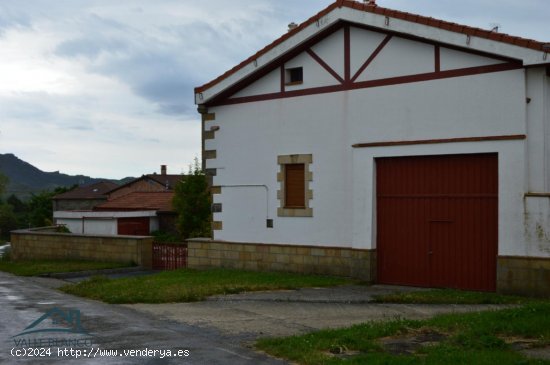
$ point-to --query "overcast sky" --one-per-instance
(105, 88)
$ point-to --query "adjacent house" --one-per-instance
(384, 145)
(83, 197)
(138, 208)
(150, 182)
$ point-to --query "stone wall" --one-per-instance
(523, 276)
(205, 253)
(43, 244)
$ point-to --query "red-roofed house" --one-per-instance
(386, 145)
(139, 207)
(83, 197)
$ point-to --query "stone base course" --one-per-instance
(205, 253)
(515, 275)
(44, 244)
(523, 275)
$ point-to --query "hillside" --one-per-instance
(25, 179)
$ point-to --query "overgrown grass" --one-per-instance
(41, 267)
(449, 296)
(472, 338)
(186, 285)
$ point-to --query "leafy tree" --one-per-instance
(21, 210)
(3, 184)
(41, 209)
(192, 203)
(8, 221)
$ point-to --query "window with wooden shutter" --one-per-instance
(294, 194)
(295, 186)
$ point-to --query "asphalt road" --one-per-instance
(27, 305)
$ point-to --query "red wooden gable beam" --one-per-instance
(329, 69)
(372, 57)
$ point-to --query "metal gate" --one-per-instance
(437, 221)
(169, 256)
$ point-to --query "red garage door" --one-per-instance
(133, 226)
(437, 221)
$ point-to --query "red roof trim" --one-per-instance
(415, 18)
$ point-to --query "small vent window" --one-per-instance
(294, 76)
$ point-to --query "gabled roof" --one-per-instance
(159, 201)
(530, 52)
(169, 181)
(166, 181)
(88, 192)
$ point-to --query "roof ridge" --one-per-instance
(375, 9)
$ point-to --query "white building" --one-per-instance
(386, 145)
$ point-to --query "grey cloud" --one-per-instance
(89, 47)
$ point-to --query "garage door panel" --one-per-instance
(437, 221)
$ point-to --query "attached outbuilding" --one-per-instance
(383, 145)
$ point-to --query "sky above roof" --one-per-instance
(105, 88)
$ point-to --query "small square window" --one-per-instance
(294, 76)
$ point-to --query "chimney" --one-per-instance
(163, 169)
(292, 26)
(370, 2)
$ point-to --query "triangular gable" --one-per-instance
(353, 57)
(448, 36)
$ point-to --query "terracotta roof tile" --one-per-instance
(160, 201)
(467, 30)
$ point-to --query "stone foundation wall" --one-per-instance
(523, 276)
(44, 244)
(205, 253)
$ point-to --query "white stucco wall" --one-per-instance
(100, 223)
(252, 135)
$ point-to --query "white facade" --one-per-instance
(100, 223)
(412, 90)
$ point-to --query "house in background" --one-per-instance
(137, 208)
(83, 197)
(148, 183)
(385, 145)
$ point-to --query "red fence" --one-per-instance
(169, 256)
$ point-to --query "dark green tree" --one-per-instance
(21, 210)
(3, 184)
(41, 208)
(8, 221)
(192, 203)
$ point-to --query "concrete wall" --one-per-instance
(42, 244)
(205, 253)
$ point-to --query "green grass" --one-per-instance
(186, 285)
(449, 296)
(472, 338)
(40, 267)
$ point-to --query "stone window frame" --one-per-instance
(282, 160)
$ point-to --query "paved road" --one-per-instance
(25, 300)
(294, 312)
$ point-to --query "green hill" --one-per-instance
(25, 179)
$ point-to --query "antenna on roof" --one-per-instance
(494, 27)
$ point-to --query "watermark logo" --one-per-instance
(65, 321)
(56, 327)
